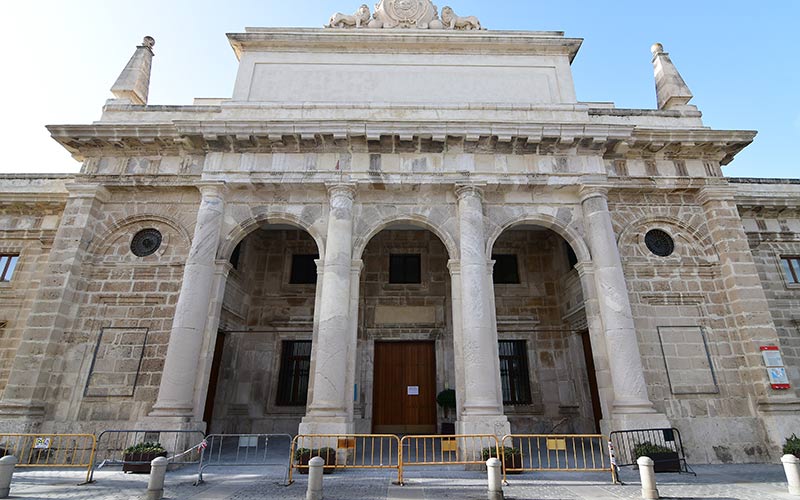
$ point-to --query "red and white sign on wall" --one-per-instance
(775, 367)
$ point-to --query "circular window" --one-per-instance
(659, 242)
(146, 242)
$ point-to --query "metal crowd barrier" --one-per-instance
(183, 446)
(459, 449)
(345, 451)
(228, 450)
(663, 446)
(51, 450)
(556, 452)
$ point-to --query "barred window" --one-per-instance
(8, 263)
(405, 269)
(293, 377)
(791, 269)
(304, 269)
(514, 372)
(506, 269)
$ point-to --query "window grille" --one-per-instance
(405, 269)
(304, 269)
(294, 374)
(514, 372)
(506, 269)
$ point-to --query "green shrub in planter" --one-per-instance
(137, 458)
(512, 457)
(792, 446)
(303, 455)
(664, 459)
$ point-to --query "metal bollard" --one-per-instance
(158, 472)
(7, 464)
(493, 470)
(314, 491)
(648, 476)
(791, 466)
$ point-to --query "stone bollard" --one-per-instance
(493, 469)
(648, 476)
(315, 466)
(7, 464)
(791, 465)
(158, 472)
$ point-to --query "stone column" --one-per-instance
(481, 412)
(176, 393)
(749, 309)
(331, 404)
(631, 408)
(458, 332)
(57, 301)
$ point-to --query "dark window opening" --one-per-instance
(514, 372)
(304, 269)
(293, 377)
(237, 252)
(8, 264)
(506, 270)
(572, 259)
(405, 269)
(791, 269)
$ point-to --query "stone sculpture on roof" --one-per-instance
(414, 14)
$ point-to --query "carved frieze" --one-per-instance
(414, 14)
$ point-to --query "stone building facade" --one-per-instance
(395, 205)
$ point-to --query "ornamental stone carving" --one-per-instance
(414, 14)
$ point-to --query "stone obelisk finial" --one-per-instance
(671, 91)
(133, 83)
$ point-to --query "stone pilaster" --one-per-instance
(23, 405)
(330, 408)
(482, 410)
(779, 410)
(632, 407)
(458, 332)
(177, 390)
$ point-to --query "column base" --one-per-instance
(313, 424)
(631, 421)
(21, 417)
(497, 425)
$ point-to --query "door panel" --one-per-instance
(398, 367)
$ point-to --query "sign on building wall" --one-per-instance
(776, 370)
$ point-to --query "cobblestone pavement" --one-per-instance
(722, 482)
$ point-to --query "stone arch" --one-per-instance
(100, 246)
(244, 228)
(569, 234)
(361, 241)
(699, 245)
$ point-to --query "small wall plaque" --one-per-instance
(413, 390)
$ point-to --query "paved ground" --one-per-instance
(728, 482)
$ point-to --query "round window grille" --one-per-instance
(659, 242)
(146, 242)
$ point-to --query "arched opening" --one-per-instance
(260, 370)
(405, 347)
(546, 365)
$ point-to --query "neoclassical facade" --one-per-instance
(401, 203)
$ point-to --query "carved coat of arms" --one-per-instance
(416, 14)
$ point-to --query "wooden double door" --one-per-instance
(404, 388)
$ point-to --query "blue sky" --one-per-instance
(739, 59)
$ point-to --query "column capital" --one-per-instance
(584, 268)
(320, 266)
(90, 191)
(454, 265)
(589, 191)
(708, 194)
(212, 189)
(223, 267)
(464, 190)
(356, 266)
(337, 189)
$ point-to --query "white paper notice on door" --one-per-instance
(413, 390)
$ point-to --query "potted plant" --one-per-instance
(137, 458)
(792, 446)
(303, 455)
(447, 400)
(512, 458)
(664, 459)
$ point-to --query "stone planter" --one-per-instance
(129, 460)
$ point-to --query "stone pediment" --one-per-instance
(398, 14)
